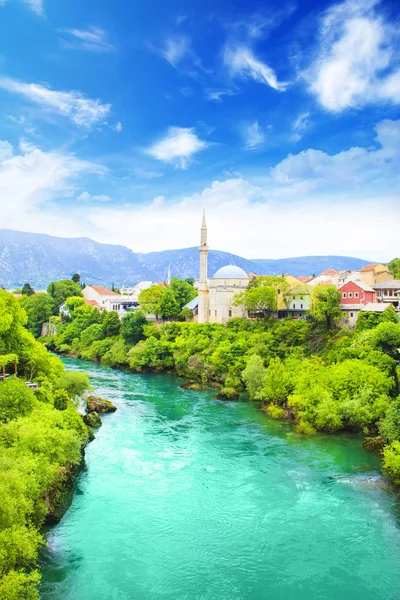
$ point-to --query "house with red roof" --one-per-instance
(98, 295)
(375, 273)
(355, 295)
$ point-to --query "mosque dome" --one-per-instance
(230, 272)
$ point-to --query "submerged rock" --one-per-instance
(374, 444)
(227, 393)
(363, 481)
(191, 385)
(99, 405)
(92, 419)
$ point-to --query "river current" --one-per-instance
(184, 497)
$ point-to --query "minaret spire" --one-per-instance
(203, 237)
(203, 280)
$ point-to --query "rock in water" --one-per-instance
(191, 385)
(99, 405)
(92, 419)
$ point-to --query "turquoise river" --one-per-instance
(184, 497)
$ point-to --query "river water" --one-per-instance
(185, 497)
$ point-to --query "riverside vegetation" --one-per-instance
(42, 439)
(310, 371)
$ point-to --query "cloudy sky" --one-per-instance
(122, 120)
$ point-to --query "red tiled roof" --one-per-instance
(303, 279)
(369, 267)
(103, 290)
(91, 302)
(329, 272)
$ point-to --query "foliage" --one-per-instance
(41, 433)
(391, 461)
(149, 299)
(168, 306)
(61, 290)
(186, 314)
(27, 290)
(132, 327)
(369, 320)
(394, 268)
(76, 278)
(253, 376)
(325, 306)
(39, 307)
(184, 291)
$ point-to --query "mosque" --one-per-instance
(215, 300)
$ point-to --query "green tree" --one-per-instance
(149, 299)
(263, 298)
(168, 307)
(27, 290)
(184, 292)
(276, 385)
(16, 400)
(190, 281)
(111, 324)
(132, 326)
(39, 307)
(61, 290)
(76, 278)
(253, 376)
(325, 306)
(394, 268)
(386, 336)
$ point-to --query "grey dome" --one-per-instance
(230, 272)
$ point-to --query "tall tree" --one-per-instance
(132, 327)
(76, 278)
(61, 290)
(169, 307)
(394, 268)
(39, 309)
(27, 290)
(184, 292)
(149, 299)
(325, 306)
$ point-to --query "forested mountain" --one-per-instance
(40, 258)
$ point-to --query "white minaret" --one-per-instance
(169, 275)
(203, 282)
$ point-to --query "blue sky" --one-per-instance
(122, 120)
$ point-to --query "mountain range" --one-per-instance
(38, 259)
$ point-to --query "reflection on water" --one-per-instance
(185, 497)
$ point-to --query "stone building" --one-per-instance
(216, 295)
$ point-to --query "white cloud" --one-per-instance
(6, 150)
(175, 49)
(300, 126)
(243, 219)
(35, 5)
(86, 197)
(242, 62)
(93, 39)
(32, 183)
(83, 111)
(356, 61)
(118, 127)
(177, 147)
(354, 165)
(157, 201)
(254, 137)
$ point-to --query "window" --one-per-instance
(351, 315)
(301, 306)
(355, 294)
(230, 312)
(350, 294)
(294, 306)
(344, 295)
(215, 313)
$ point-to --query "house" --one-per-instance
(99, 294)
(330, 276)
(375, 307)
(136, 289)
(356, 292)
(297, 302)
(375, 273)
(354, 295)
(388, 292)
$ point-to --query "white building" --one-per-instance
(98, 294)
(216, 295)
(135, 290)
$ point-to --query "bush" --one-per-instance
(391, 461)
(276, 412)
(16, 400)
(305, 428)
